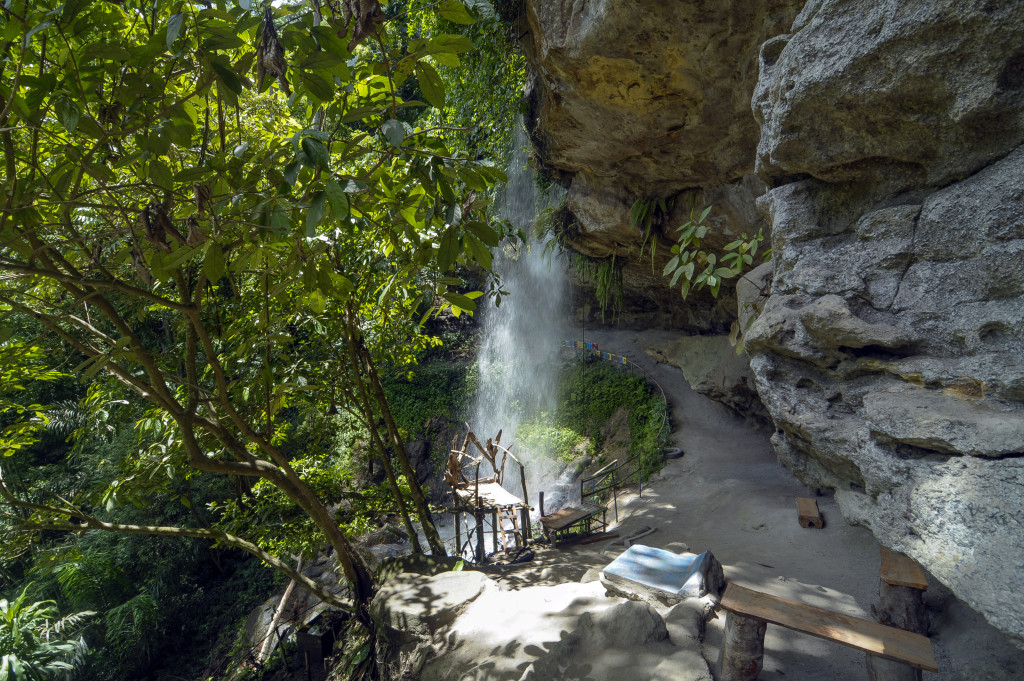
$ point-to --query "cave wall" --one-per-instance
(880, 144)
(643, 99)
(890, 353)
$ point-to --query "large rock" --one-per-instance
(890, 353)
(462, 626)
(642, 99)
(712, 367)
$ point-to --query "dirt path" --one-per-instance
(728, 494)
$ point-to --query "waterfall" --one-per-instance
(518, 361)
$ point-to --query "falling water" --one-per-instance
(518, 362)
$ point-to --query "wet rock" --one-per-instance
(650, 100)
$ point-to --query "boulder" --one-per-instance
(411, 606)
(565, 631)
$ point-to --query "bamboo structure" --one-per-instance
(484, 496)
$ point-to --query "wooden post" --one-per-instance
(899, 605)
(615, 496)
(542, 513)
(522, 477)
(494, 530)
(808, 514)
(458, 536)
(524, 519)
(481, 550)
(742, 654)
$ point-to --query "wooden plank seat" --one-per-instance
(563, 521)
(742, 651)
(900, 570)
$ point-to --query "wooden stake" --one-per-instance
(481, 550)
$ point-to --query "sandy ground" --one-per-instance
(728, 494)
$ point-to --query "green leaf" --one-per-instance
(448, 43)
(316, 151)
(394, 131)
(68, 112)
(671, 266)
(704, 214)
(174, 25)
(338, 199)
(227, 76)
(460, 301)
(430, 84)
(214, 266)
(456, 12)
(35, 29)
(315, 213)
(479, 251)
(484, 232)
(160, 174)
(448, 249)
(322, 88)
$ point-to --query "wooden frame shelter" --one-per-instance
(485, 496)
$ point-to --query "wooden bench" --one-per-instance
(561, 522)
(583, 516)
(749, 613)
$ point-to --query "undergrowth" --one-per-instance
(590, 391)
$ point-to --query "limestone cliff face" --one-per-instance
(891, 352)
(637, 99)
(882, 143)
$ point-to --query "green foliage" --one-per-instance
(483, 87)
(33, 641)
(696, 267)
(434, 388)
(590, 391)
(546, 436)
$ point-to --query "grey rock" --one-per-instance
(829, 320)
(411, 606)
(567, 631)
(712, 367)
(889, 353)
(685, 622)
(941, 422)
(926, 90)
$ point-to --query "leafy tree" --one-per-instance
(218, 210)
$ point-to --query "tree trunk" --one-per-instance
(367, 410)
(901, 607)
(418, 498)
(742, 655)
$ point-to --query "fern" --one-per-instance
(133, 625)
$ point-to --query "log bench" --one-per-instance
(749, 612)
